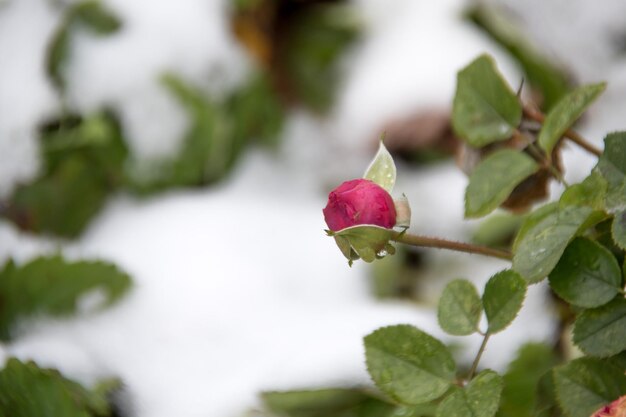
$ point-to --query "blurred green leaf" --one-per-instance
(83, 162)
(53, 286)
(485, 109)
(312, 49)
(502, 299)
(563, 115)
(86, 14)
(587, 275)
(480, 398)
(612, 166)
(521, 380)
(584, 385)
(601, 332)
(409, 365)
(540, 245)
(498, 230)
(542, 75)
(27, 391)
(382, 169)
(459, 308)
(494, 179)
(330, 402)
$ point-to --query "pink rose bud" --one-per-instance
(358, 202)
(616, 409)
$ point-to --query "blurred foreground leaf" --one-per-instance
(521, 381)
(601, 331)
(53, 286)
(27, 390)
(480, 398)
(612, 166)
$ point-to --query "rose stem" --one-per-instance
(478, 356)
(570, 134)
(433, 242)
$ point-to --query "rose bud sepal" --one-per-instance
(367, 242)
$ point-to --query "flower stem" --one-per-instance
(433, 242)
(570, 134)
(483, 345)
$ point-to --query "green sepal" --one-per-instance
(367, 242)
(382, 169)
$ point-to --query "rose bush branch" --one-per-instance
(434, 242)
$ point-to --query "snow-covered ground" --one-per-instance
(237, 289)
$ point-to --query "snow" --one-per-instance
(237, 289)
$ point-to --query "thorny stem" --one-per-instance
(532, 148)
(483, 345)
(570, 134)
(433, 242)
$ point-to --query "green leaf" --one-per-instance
(83, 163)
(480, 398)
(584, 385)
(27, 390)
(86, 14)
(618, 229)
(521, 381)
(498, 230)
(601, 332)
(330, 402)
(502, 299)
(485, 109)
(587, 275)
(548, 79)
(382, 169)
(54, 287)
(590, 192)
(612, 166)
(543, 242)
(409, 365)
(459, 308)
(494, 178)
(565, 113)
(367, 242)
(532, 219)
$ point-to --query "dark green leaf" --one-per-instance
(485, 109)
(502, 299)
(601, 332)
(331, 402)
(612, 166)
(542, 75)
(587, 274)
(27, 391)
(544, 240)
(459, 308)
(618, 229)
(494, 178)
(409, 365)
(480, 398)
(521, 381)
(586, 384)
(53, 286)
(563, 115)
